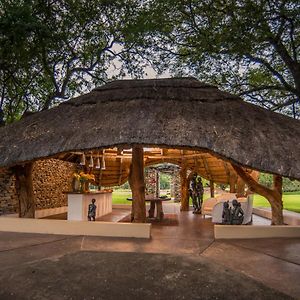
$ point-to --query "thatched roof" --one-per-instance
(175, 113)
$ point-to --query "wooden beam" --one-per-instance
(232, 182)
(240, 187)
(274, 196)
(137, 184)
(212, 188)
(25, 190)
(184, 188)
(121, 166)
(206, 168)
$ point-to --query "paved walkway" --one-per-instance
(184, 262)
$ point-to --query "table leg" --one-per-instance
(159, 210)
(152, 209)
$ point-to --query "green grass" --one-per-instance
(291, 201)
(120, 196)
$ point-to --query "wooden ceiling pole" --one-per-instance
(212, 188)
(240, 187)
(274, 196)
(121, 165)
(137, 184)
(184, 187)
(25, 190)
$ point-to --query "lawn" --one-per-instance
(120, 196)
(291, 201)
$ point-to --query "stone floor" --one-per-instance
(260, 269)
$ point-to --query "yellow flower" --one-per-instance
(86, 177)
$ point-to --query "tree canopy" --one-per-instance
(248, 47)
(51, 50)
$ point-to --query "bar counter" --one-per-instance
(78, 204)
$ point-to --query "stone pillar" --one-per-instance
(175, 186)
(152, 182)
(8, 193)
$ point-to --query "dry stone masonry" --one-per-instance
(51, 178)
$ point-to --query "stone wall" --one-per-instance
(8, 193)
(151, 181)
(51, 178)
(176, 185)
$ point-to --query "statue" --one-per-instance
(199, 193)
(196, 193)
(234, 215)
(92, 210)
(237, 214)
(226, 214)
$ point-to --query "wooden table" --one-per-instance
(159, 208)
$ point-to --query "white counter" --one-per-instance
(78, 204)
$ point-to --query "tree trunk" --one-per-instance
(240, 190)
(184, 189)
(274, 196)
(137, 185)
(25, 190)
(276, 201)
(232, 181)
(212, 188)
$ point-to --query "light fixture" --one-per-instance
(103, 163)
(98, 162)
(82, 161)
(91, 164)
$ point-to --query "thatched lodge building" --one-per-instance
(135, 123)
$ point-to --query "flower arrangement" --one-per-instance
(86, 177)
(83, 179)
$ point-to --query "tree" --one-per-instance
(248, 47)
(52, 50)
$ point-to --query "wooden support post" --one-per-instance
(137, 184)
(274, 196)
(212, 188)
(25, 190)
(232, 182)
(240, 189)
(276, 201)
(184, 189)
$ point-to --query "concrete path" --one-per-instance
(179, 262)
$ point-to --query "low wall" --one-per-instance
(132, 230)
(289, 217)
(254, 232)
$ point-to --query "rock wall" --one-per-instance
(151, 181)
(51, 178)
(8, 192)
(176, 186)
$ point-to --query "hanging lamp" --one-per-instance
(82, 161)
(98, 166)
